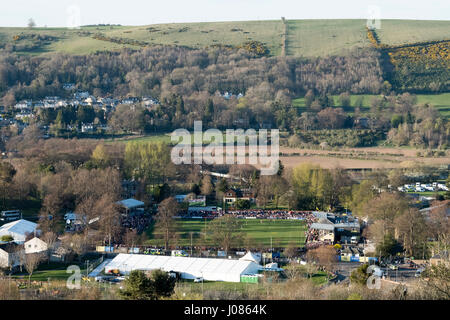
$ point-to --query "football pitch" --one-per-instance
(256, 232)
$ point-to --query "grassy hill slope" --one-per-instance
(305, 37)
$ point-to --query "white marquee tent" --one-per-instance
(189, 267)
(250, 256)
(18, 229)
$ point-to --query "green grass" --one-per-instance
(54, 271)
(428, 193)
(143, 139)
(305, 37)
(282, 232)
(440, 101)
(319, 278)
(324, 37)
(157, 138)
(395, 32)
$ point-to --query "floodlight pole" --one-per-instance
(191, 243)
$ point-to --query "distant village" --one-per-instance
(20, 114)
(24, 110)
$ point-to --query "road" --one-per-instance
(403, 274)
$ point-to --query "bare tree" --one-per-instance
(50, 239)
(32, 261)
(226, 231)
(31, 24)
(165, 222)
(130, 238)
(325, 256)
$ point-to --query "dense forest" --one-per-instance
(159, 71)
(189, 84)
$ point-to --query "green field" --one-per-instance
(54, 271)
(261, 232)
(324, 37)
(150, 138)
(305, 37)
(396, 32)
(159, 138)
(440, 101)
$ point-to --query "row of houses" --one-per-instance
(83, 98)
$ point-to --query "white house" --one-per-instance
(10, 254)
(35, 245)
(19, 230)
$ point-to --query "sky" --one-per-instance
(66, 13)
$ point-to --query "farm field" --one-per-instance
(259, 232)
(306, 38)
(359, 158)
(344, 157)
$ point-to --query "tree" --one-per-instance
(412, 231)
(243, 204)
(388, 247)
(31, 24)
(50, 239)
(360, 275)
(6, 238)
(436, 282)
(32, 261)
(165, 222)
(108, 213)
(291, 251)
(148, 162)
(207, 186)
(76, 243)
(386, 207)
(163, 283)
(361, 194)
(226, 231)
(99, 156)
(309, 98)
(344, 99)
(7, 172)
(279, 187)
(324, 256)
(130, 238)
(265, 190)
(137, 286)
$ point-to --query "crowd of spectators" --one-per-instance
(253, 213)
(270, 214)
(137, 222)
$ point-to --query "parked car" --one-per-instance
(198, 279)
(418, 273)
(393, 267)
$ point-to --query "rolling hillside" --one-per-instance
(305, 37)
